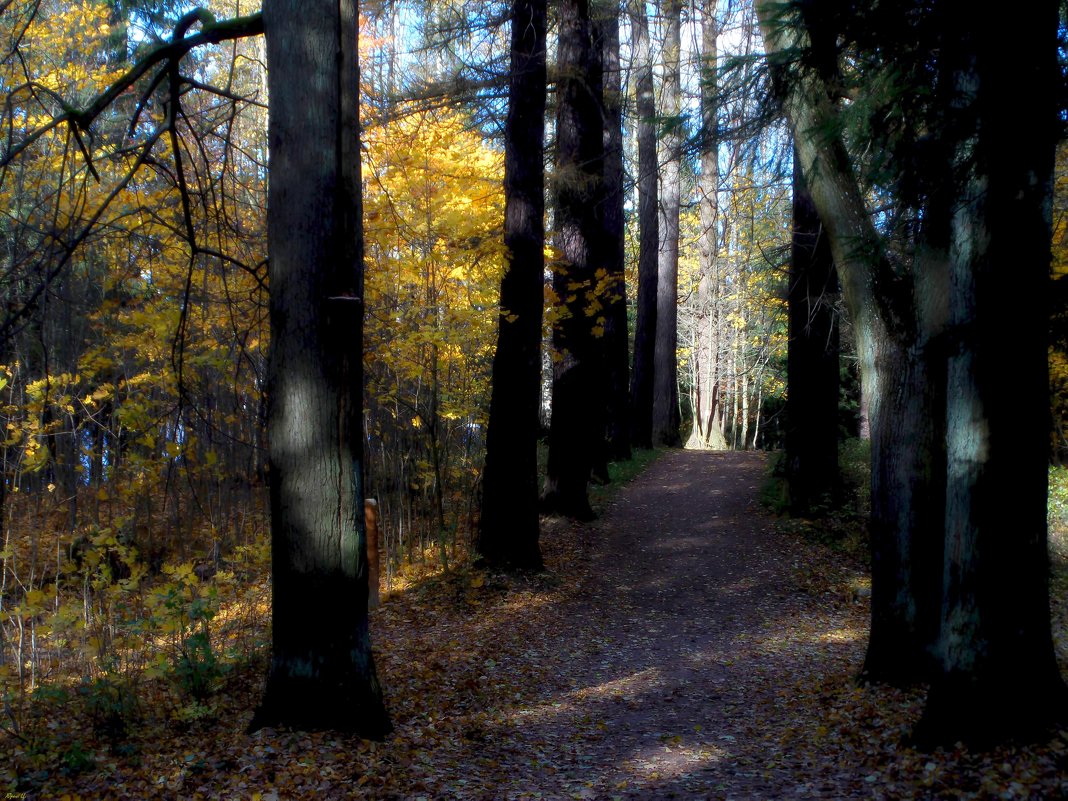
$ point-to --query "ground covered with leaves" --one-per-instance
(686, 645)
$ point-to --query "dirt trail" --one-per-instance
(678, 671)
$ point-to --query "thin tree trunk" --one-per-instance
(642, 376)
(436, 461)
(665, 386)
(743, 399)
(606, 32)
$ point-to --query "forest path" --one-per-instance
(690, 664)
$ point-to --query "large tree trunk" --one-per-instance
(322, 673)
(998, 673)
(707, 431)
(666, 379)
(576, 430)
(508, 527)
(812, 362)
(642, 376)
(606, 33)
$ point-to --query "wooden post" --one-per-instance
(370, 514)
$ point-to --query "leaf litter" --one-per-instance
(683, 646)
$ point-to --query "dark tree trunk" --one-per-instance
(666, 379)
(998, 675)
(606, 26)
(577, 426)
(508, 527)
(907, 499)
(812, 362)
(907, 431)
(641, 380)
(322, 673)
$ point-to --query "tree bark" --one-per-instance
(666, 380)
(577, 427)
(907, 498)
(322, 672)
(641, 380)
(508, 526)
(374, 553)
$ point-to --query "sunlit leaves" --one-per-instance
(133, 360)
(69, 42)
(434, 209)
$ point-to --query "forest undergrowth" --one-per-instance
(462, 657)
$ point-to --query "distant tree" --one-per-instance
(322, 672)
(642, 376)
(508, 527)
(578, 397)
(705, 392)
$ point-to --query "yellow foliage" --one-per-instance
(434, 210)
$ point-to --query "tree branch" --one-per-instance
(212, 32)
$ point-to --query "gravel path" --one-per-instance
(676, 672)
